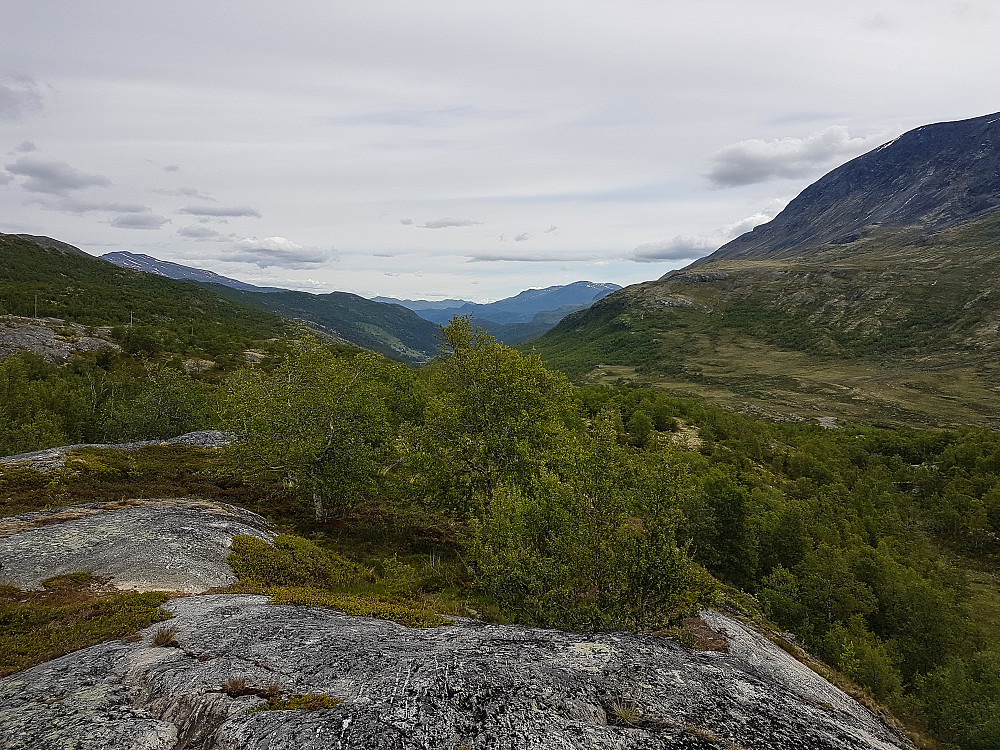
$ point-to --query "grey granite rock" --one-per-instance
(468, 684)
(55, 458)
(146, 545)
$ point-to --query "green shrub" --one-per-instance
(290, 561)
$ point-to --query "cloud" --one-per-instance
(512, 258)
(185, 193)
(406, 221)
(756, 160)
(278, 252)
(54, 177)
(689, 247)
(551, 229)
(171, 168)
(199, 233)
(680, 247)
(25, 146)
(139, 220)
(73, 205)
(6, 179)
(522, 237)
(19, 97)
(220, 211)
(449, 222)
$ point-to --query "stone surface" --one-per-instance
(145, 545)
(468, 684)
(55, 458)
(53, 338)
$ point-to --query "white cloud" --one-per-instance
(278, 252)
(139, 221)
(689, 247)
(72, 205)
(199, 233)
(216, 211)
(756, 160)
(185, 193)
(54, 177)
(449, 222)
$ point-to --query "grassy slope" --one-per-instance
(87, 290)
(888, 329)
(392, 330)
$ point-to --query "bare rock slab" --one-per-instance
(468, 684)
(145, 545)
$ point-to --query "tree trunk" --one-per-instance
(318, 507)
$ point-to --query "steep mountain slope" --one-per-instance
(898, 324)
(148, 263)
(928, 179)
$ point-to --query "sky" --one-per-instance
(434, 149)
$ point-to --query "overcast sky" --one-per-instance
(456, 149)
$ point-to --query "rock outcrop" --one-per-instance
(145, 545)
(464, 685)
(53, 338)
(55, 458)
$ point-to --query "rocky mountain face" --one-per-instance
(149, 264)
(871, 297)
(928, 179)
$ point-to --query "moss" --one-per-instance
(307, 702)
(290, 561)
(36, 626)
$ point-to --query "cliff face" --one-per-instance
(464, 685)
(930, 178)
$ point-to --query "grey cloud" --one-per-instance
(449, 222)
(25, 146)
(185, 193)
(278, 252)
(139, 221)
(171, 168)
(19, 97)
(72, 205)
(406, 221)
(756, 160)
(681, 247)
(551, 229)
(220, 211)
(55, 177)
(522, 237)
(6, 179)
(200, 233)
(511, 258)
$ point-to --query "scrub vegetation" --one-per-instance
(485, 484)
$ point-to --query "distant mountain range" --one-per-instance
(364, 323)
(873, 297)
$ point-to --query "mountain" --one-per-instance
(523, 307)
(148, 263)
(389, 329)
(422, 304)
(928, 179)
(42, 277)
(872, 297)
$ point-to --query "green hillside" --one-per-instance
(155, 313)
(898, 327)
(391, 330)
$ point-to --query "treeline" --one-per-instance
(612, 508)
